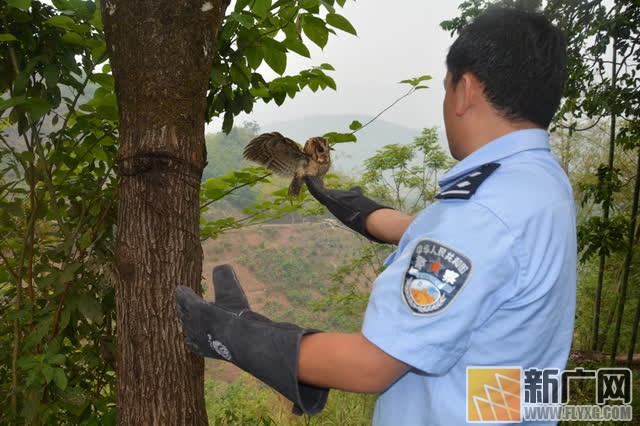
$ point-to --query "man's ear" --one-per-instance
(467, 93)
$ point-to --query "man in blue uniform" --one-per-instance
(485, 276)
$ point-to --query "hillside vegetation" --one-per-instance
(290, 273)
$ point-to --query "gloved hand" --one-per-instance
(229, 330)
(349, 207)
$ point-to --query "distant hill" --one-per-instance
(348, 157)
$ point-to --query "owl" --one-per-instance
(283, 156)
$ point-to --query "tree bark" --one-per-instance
(161, 53)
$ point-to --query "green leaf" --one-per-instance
(97, 53)
(275, 58)
(69, 272)
(73, 38)
(239, 75)
(90, 308)
(415, 82)
(241, 4)
(315, 29)
(279, 98)
(47, 372)
(254, 57)
(328, 4)
(65, 318)
(7, 37)
(38, 107)
(312, 6)
(56, 359)
(297, 46)
(261, 7)
(341, 23)
(247, 102)
(243, 18)
(261, 92)
(36, 336)
(29, 362)
(104, 80)
(227, 122)
(355, 125)
(20, 4)
(11, 102)
(61, 21)
(219, 74)
(96, 20)
(51, 75)
(59, 378)
(326, 80)
(334, 137)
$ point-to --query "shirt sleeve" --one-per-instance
(455, 269)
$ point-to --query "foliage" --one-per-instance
(247, 402)
(225, 150)
(57, 212)
(265, 31)
(224, 159)
(236, 403)
(350, 283)
(599, 88)
(406, 175)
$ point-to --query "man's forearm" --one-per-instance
(348, 362)
(388, 225)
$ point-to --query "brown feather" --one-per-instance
(277, 153)
(283, 156)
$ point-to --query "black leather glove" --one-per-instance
(349, 207)
(229, 330)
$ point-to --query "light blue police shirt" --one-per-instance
(501, 288)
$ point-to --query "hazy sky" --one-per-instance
(396, 40)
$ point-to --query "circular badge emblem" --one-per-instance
(435, 275)
(424, 293)
(219, 347)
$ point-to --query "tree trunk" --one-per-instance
(161, 53)
(626, 271)
(606, 205)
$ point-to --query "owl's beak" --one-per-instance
(331, 148)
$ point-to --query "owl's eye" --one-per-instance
(320, 148)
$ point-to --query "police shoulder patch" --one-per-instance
(435, 276)
(468, 185)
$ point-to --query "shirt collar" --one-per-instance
(497, 149)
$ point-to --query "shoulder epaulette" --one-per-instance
(469, 184)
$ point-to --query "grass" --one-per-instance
(247, 402)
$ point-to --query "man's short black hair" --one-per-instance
(519, 57)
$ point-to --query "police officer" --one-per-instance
(485, 276)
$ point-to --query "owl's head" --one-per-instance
(318, 148)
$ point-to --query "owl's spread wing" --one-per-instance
(277, 153)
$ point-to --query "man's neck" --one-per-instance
(492, 130)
